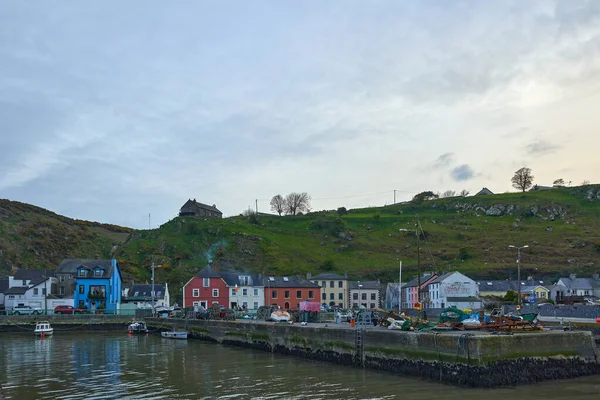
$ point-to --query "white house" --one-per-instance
(245, 290)
(454, 290)
(36, 295)
(141, 295)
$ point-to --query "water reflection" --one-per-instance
(118, 366)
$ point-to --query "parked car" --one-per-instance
(65, 309)
(26, 310)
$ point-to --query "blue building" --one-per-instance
(97, 284)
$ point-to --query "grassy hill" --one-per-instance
(469, 234)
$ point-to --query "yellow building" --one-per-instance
(540, 292)
(334, 289)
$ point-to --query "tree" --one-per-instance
(424, 196)
(586, 182)
(448, 193)
(278, 204)
(511, 296)
(522, 179)
(464, 193)
(559, 182)
(342, 211)
(297, 202)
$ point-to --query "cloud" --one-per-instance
(444, 160)
(540, 147)
(462, 173)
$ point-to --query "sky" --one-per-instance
(112, 111)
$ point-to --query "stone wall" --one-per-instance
(467, 359)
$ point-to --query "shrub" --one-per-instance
(329, 224)
(463, 254)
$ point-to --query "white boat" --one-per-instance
(137, 327)
(174, 334)
(43, 328)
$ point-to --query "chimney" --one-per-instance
(308, 275)
(572, 276)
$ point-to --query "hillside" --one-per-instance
(469, 234)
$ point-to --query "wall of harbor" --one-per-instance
(466, 359)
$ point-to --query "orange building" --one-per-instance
(287, 292)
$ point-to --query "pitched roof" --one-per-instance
(443, 277)
(144, 290)
(367, 285)
(330, 276)
(496, 286)
(207, 272)
(415, 281)
(233, 278)
(288, 282)
(484, 191)
(578, 283)
(33, 275)
(70, 265)
(194, 203)
(3, 284)
(16, 290)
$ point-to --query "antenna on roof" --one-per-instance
(148, 221)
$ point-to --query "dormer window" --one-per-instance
(98, 272)
(82, 272)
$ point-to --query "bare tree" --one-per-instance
(464, 193)
(559, 182)
(586, 182)
(278, 204)
(448, 193)
(522, 179)
(297, 202)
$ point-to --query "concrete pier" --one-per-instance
(459, 358)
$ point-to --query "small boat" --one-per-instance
(279, 316)
(43, 328)
(137, 327)
(174, 334)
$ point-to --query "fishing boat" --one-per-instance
(137, 327)
(43, 328)
(174, 334)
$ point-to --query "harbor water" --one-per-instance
(120, 366)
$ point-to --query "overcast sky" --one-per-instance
(113, 110)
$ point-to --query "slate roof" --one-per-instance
(33, 275)
(3, 284)
(197, 204)
(330, 276)
(70, 265)
(16, 290)
(415, 281)
(441, 278)
(233, 278)
(207, 272)
(578, 283)
(291, 282)
(483, 192)
(367, 285)
(496, 286)
(144, 290)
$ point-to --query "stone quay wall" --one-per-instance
(461, 358)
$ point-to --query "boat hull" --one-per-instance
(46, 332)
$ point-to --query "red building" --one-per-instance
(288, 292)
(205, 289)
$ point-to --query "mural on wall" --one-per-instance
(460, 289)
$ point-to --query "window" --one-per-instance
(372, 305)
(271, 279)
(256, 292)
(81, 272)
(340, 284)
(255, 305)
(286, 279)
(61, 278)
(98, 292)
(97, 272)
(35, 291)
(24, 282)
(331, 296)
(43, 291)
(323, 283)
(196, 303)
(233, 292)
(274, 294)
(354, 296)
(195, 292)
(81, 289)
(331, 284)
(340, 296)
(286, 305)
(363, 296)
(244, 292)
(298, 294)
(245, 304)
(203, 304)
(136, 294)
(11, 296)
(159, 293)
(215, 292)
(244, 280)
(70, 276)
(372, 296)
(205, 282)
(61, 291)
(311, 294)
(324, 296)
(215, 302)
(355, 305)
(286, 294)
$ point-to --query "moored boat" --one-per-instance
(174, 334)
(137, 327)
(43, 328)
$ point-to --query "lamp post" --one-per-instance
(359, 295)
(152, 293)
(518, 271)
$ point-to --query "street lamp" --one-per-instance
(518, 271)
(152, 293)
(359, 295)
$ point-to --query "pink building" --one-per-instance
(411, 290)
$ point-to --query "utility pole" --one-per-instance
(256, 205)
(400, 289)
(152, 294)
(418, 263)
(518, 272)
(46, 291)
(394, 196)
(148, 221)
